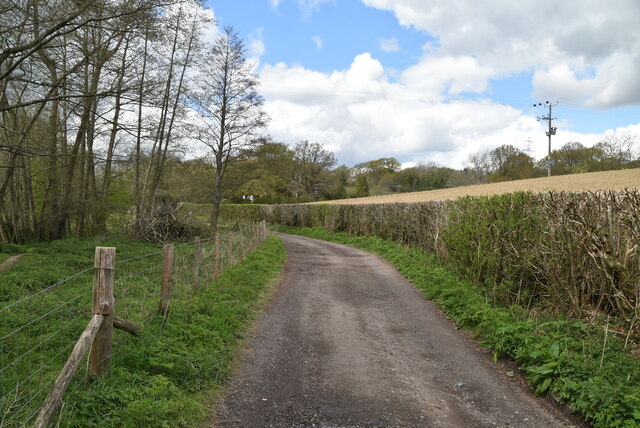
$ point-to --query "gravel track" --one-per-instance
(348, 342)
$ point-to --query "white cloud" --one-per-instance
(613, 84)
(211, 31)
(362, 115)
(275, 3)
(592, 47)
(389, 45)
(307, 7)
(441, 76)
(318, 42)
(257, 47)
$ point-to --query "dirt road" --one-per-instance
(348, 342)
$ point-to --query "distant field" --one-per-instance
(607, 180)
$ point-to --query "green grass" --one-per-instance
(38, 333)
(160, 365)
(45, 263)
(167, 375)
(563, 357)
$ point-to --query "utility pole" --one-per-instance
(550, 132)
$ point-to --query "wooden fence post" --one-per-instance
(103, 304)
(252, 235)
(241, 247)
(216, 256)
(165, 286)
(196, 263)
(230, 249)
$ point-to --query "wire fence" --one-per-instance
(37, 332)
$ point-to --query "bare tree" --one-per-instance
(229, 107)
(62, 84)
(92, 95)
(621, 148)
(186, 25)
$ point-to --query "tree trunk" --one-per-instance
(137, 195)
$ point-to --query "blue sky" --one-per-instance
(433, 81)
(289, 31)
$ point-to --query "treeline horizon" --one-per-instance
(273, 172)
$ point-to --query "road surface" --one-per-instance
(348, 342)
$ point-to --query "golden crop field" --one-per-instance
(606, 180)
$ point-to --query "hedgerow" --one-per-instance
(574, 253)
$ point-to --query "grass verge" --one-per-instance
(164, 377)
(575, 362)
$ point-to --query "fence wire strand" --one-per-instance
(32, 353)
(51, 287)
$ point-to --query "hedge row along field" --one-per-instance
(570, 253)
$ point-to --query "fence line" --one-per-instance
(37, 331)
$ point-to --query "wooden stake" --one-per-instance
(196, 264)
(125, 325)
(263, 230)
(103, 304)
(230, 249)
(165, 286)
(54, 398)
(216, 257)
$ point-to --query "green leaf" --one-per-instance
(544, 386)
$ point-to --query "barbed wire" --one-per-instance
(51, 287)
(117, 262)
(42, 342)
(28, 378)
(22, 327)
(137, 273)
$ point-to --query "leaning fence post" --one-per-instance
(252, 235)
(103, 304)
(196, 263)
(216, 256)
(230, 249)
(165, 285)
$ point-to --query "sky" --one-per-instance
(433, 81)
